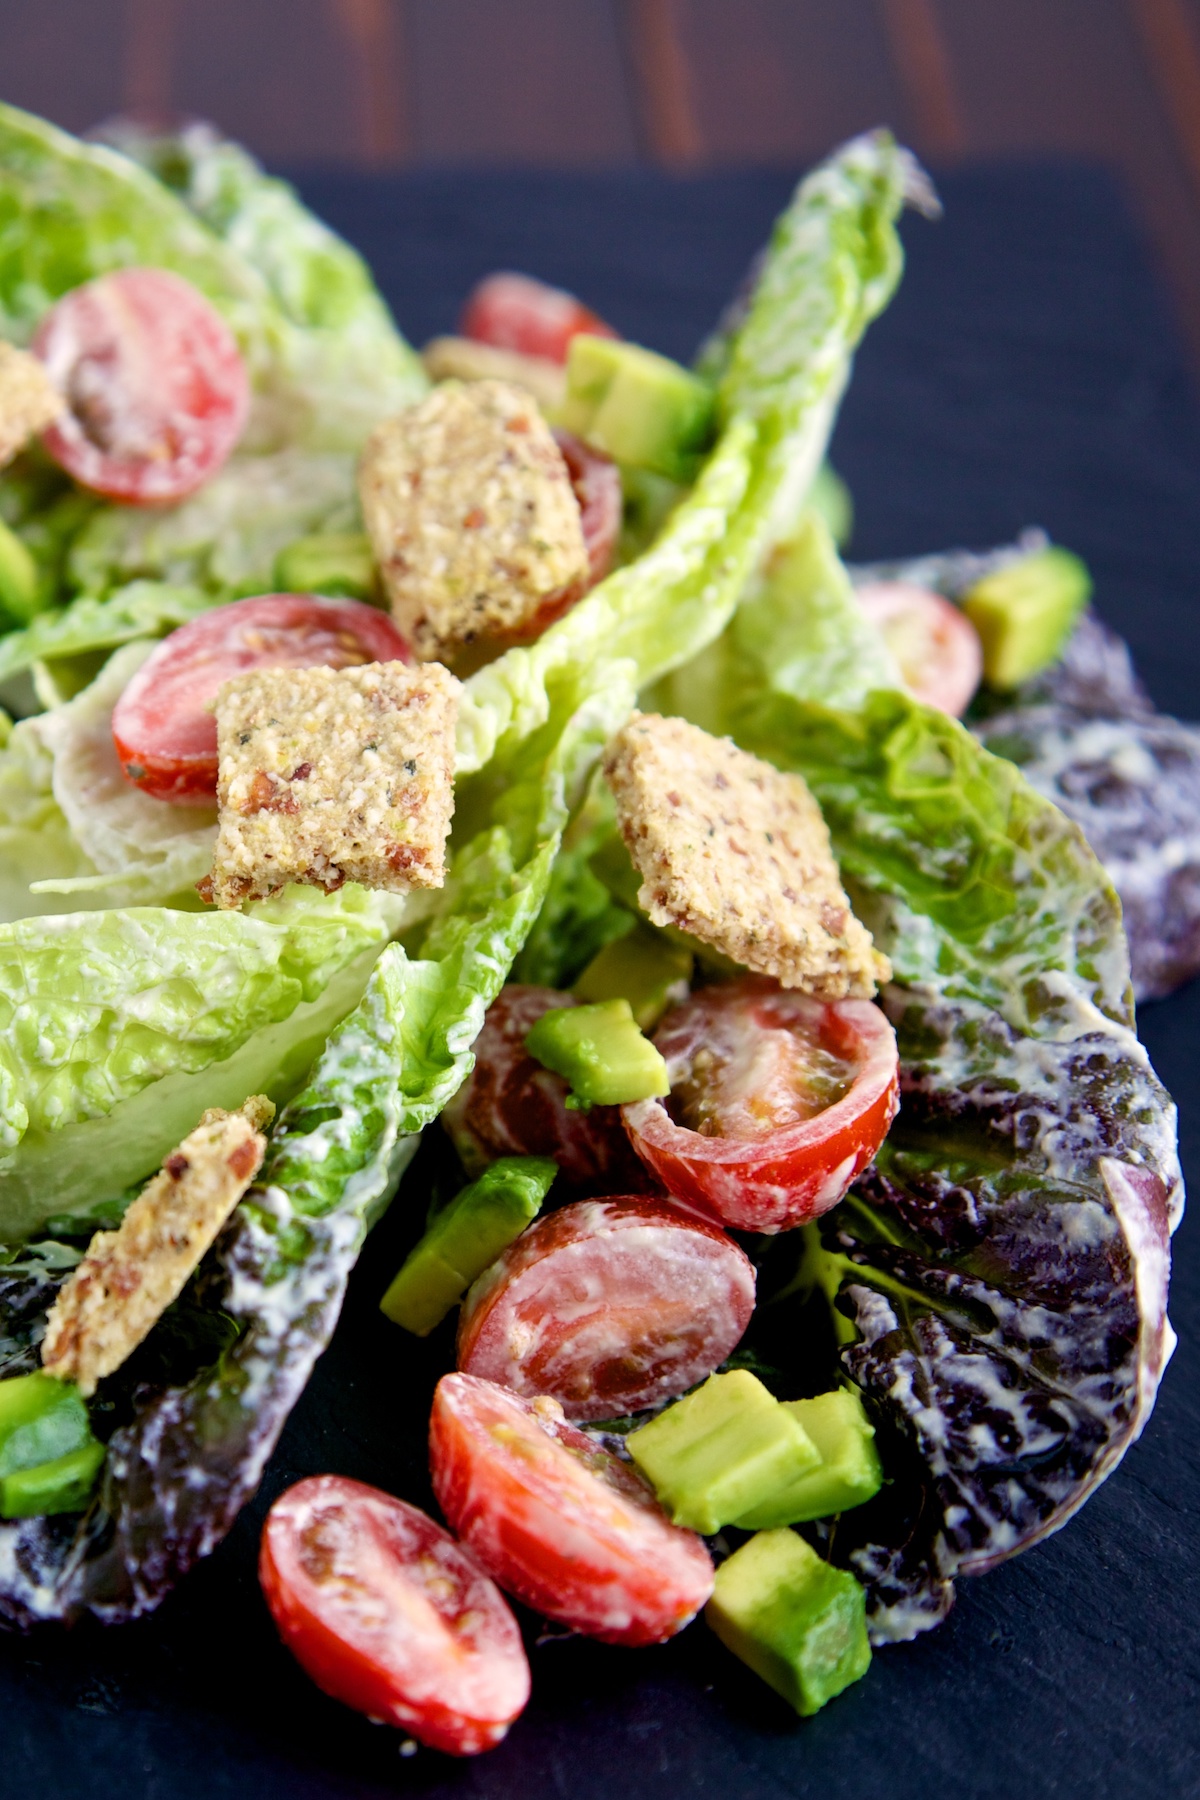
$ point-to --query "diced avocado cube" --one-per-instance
(795, 1620)
(327, 562)
(464, 1238)
(848, 1473)
(62, 1485)
(721, 1451)
(600, 1051)
(645, 967)
(1024, 613)
(638, 407)
(41, 1419)
(19, 587)
(830, 497)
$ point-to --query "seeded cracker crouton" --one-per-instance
(29, 401)
(738, 854)
(472, 516)
(334, 775)
(130, 1276)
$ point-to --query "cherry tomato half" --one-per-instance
(511, 1106)
(155, 386)
(596, 481)
(608, 1306)
(165, 736)
(560, 1522)
(777, 1102)
(518, 312)
(936, 647)
(388, 1614)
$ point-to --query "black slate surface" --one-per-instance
(1026, 374)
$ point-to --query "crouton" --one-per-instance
(29, 400)
(463, 359)
(129, 1276)
(471, 514)
(333, 775)
(737, 853)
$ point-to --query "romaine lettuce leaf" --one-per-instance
(140, 610)
(118, 1027)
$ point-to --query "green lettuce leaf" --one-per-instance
(118, 1027)
(141, 609)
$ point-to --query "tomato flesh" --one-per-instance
(596, 481)
(558, 1521)
(778, 1102)
(389, 1615)
(608, 1306)
(511, 1106)
(936, 647)
(518, 312)
(155, 386)
(165, 735)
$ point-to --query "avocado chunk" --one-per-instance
(848, 1473)
(600, 1051)
(1024, 613)
(640, 408)
(465, 1237)
(721, 1451)
(644, 967)
(19, 595)
(48, 1456)
(831, 499)
(795, 1620)
(337, 563)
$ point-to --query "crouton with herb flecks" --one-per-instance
(29, 400)
(129, 1276)
(472, 517)
(736, 853)
(333, 775)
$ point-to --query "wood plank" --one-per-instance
(922, 59)
(778, 82)
(290, 90)
(375, 30)
(1171, 42)
(531, 81)
(1071, 79)
(63, 59)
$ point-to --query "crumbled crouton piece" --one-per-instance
(131, 1275)
(737, 853)
(29, 400)
(465, 359)
(470, 510)
(333, 775)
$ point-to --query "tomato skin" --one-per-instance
(777, 1178)
(511, 1106)
(388, 1614)
(559, 1522)
(596, 481)
(164, 734)
(518, 312)
(155, 386)
(937, 648)
(608, 1306)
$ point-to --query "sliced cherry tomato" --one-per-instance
(388, 1614)
(560, 1522)
(511, 1106)
(608, 1306)
(155, 385)
(777, 1102)
(596, 480)
(936, 647)
(518, 312)
(165, 736)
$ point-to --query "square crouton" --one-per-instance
(129, 1276)
(29, 400)
(471, 513)
(333, 775)
(737, 853)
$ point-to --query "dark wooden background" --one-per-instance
(685, 83)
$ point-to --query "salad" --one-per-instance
(499, 736)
